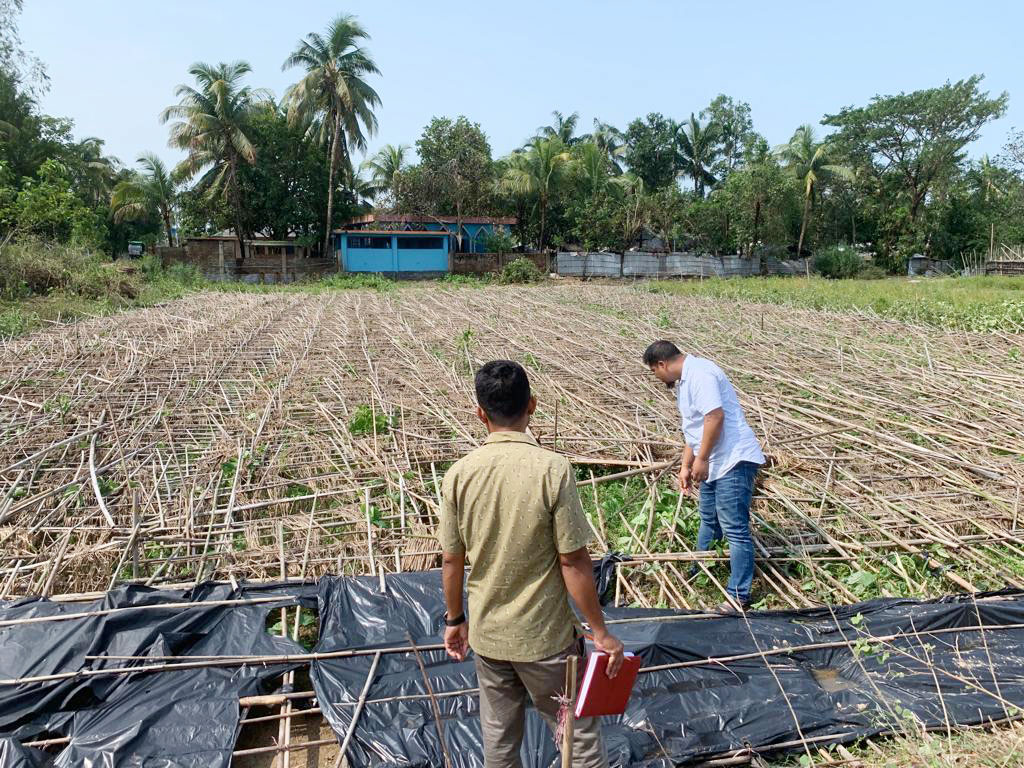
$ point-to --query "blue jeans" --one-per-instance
(725, 509)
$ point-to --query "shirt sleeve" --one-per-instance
(706, 395)
(571, 529)
(449, 535)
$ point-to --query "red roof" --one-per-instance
(399, 232)
(409, 218)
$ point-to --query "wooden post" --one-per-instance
(135, 538)
(284, 264)
(369, 531)
(570, 715)
(220, 258)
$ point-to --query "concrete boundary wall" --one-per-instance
(641, 264)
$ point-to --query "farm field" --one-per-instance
(957, 303)
(186, 441)
(261, 435)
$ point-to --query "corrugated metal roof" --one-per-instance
(370, 218)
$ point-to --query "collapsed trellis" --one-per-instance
(198, 439)
(213, 437)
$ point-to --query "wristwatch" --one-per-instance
(461, 619)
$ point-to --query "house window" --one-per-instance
(421, 243)
(366, 241)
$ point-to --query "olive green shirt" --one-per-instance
(512, 507)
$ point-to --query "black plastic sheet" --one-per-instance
(874, 668)
(175, 718)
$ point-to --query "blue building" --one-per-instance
(395, 244)
(393, 252)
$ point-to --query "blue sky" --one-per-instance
(113, 65)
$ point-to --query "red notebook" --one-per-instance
(601, 696)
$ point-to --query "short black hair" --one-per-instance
(660, 351)
(503, 391)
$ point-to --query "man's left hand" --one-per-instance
(456, 641)
(699, 472)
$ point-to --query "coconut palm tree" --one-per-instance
(612, 143)
(333, 97)
(563, 128)
(98, 170)
(808, 160)
(636, 205)
(385, 166)
(146, 192)
(213, 124)
(537, 171)
(697, 148)
(592, 166)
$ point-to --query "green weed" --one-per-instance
(367, 421)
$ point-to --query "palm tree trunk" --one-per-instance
(167, 228)
(543, 217)
(330, 183)
(236, 205)
(757, 225)
(803, 231)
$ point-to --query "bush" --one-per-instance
(520, 271)
(35, 268)
(499, 241)
(13, 323)
(872, 272)
(453, 279)
(838, 262)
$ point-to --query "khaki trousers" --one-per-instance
(504, 686)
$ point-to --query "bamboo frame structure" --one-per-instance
(289, 435)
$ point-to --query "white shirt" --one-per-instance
(702, 388)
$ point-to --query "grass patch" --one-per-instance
(956, 303)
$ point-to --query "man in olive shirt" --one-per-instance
(513, 509)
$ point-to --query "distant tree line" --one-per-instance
(892, 175)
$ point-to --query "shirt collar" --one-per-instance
(510, 437)
(682, 374)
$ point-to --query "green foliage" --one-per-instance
(35, 268)
(838, 262)
(334, 102)
(285, 192)
(520, 271)
(371, 282)
(912, 144)
(536, 174)
(213, 124)
(368, 421)
(650, 150)
(499, 240)
(965, 303)
(736, 134)
(13, 322)
(48, 207)
(466, 280)
(454, 173)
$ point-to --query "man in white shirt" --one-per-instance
(721, 457)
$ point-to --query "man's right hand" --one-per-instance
(684, 479)
(610, 644)
(456, 641)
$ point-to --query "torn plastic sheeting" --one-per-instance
(138, 718)
(14, 755)
(830, 692)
